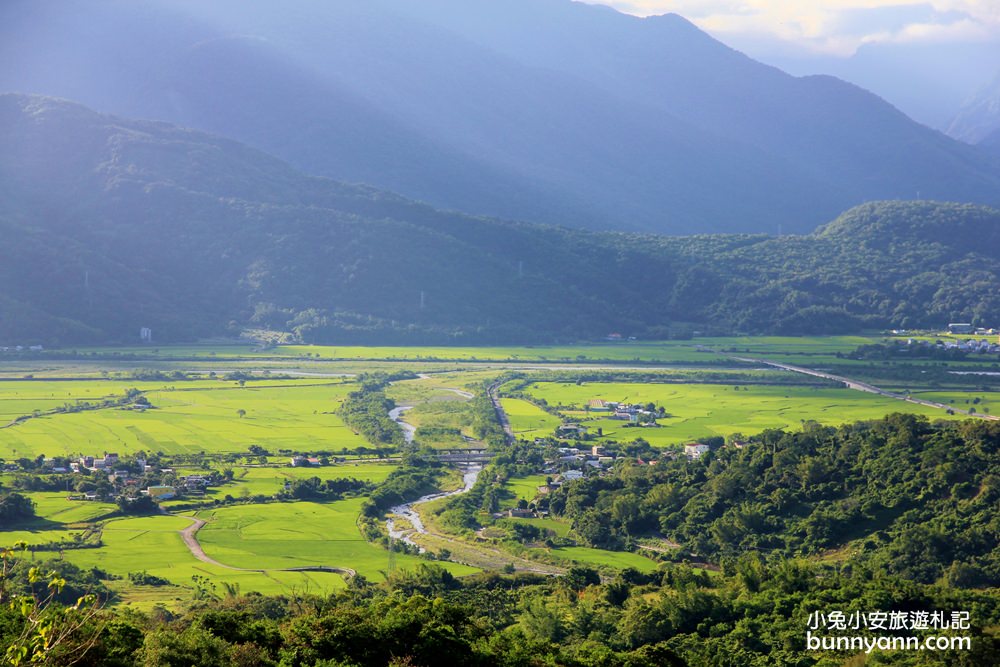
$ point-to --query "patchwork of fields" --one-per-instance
(188, 418)
(701, 410)
(56, 411)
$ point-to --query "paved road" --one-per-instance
(494, 395)
(863, 386)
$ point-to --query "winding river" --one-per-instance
(408, 510)
(396, 415)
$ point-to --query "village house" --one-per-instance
(160, 492)
(695, 450)
(571, 430)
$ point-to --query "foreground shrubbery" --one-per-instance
(751, 614)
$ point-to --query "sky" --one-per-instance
(829, 27)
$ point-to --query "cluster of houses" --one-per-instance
(597, 458)
(105, 463)
(125, 476)
(190, 485)
(972, 346)
(965, 328)
(625, 411)
(21, 348)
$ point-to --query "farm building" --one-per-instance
(695, 450)
(161, 492)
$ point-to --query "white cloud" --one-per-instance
(831, 26)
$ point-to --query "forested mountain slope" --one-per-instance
(111, 224)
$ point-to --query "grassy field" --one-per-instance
(522, 488)
(154, 544)
(985, 402)
(189, 418)
(55, 507)
(560, 528)
(528, 420)
(704, 410)
(626, 351)
(58, 519)
(286, 535)
(618, 560)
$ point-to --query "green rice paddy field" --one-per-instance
(189, 417)
(703, 410)
(154, 544)
(288, 535)
(640, 351)
(269, 538)
(618, 560)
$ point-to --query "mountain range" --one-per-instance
(548, 111)
(111, 224)
(978, 121)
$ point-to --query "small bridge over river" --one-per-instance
(467, 455)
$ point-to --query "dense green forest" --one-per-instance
(751, 614)
(112, 225)
(900, 495)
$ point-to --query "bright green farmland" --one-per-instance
(54, 506)
(58, 519)
(985, 402)
(154, 544)
(618, 560)
(523, 488)
(786, 345)
(194, 418)
(528, 420)
(706, 410)
(37, 533)
(560, 528)
(22, 397)
(640, 351)
(288, 535)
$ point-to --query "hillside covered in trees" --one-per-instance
(899, 495)
(110, 225)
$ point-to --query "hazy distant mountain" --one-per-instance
(928, 81)
(109, 225)
(979, 117)
(544, 110)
